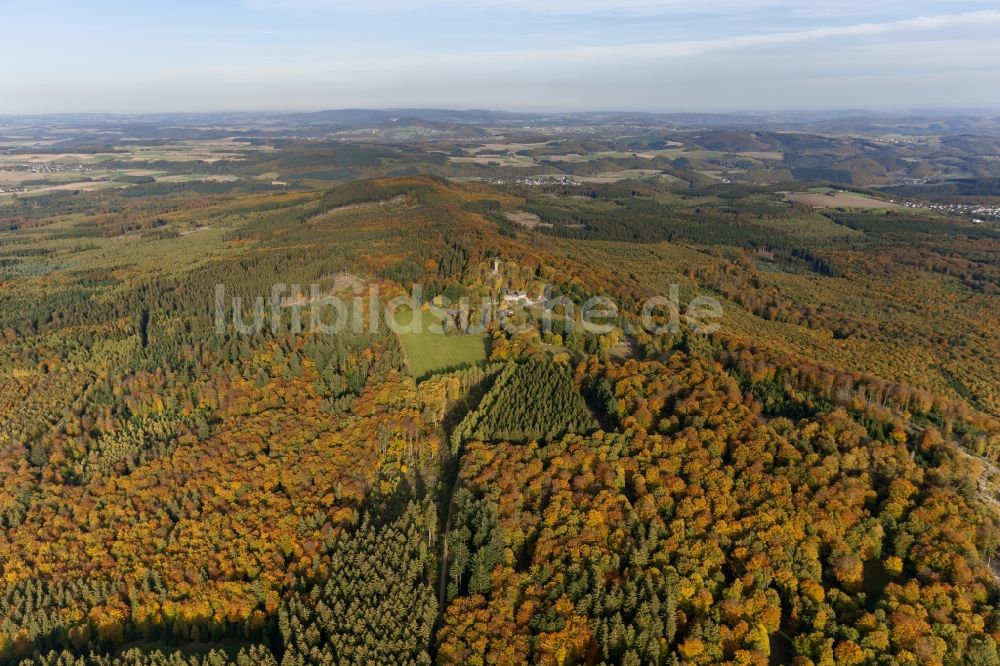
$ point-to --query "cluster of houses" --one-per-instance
(533, 181)
(45, 167)
(510, 298)
(42, 168)
(980, 213)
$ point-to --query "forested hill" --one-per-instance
(813, 482)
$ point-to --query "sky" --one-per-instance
(67, 56)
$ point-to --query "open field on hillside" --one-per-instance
(82, 186)
(181, 154)
(428, 352)
(525, 219)
(512, 147)
(189, 178)
(615, 176)
(495, 160)
(56, 158)
(763, 155)
(837, 199)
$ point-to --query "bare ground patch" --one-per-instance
(526, 219)
(398, 199)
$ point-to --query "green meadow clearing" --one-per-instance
(429, 353)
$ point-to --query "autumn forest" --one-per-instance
(813, 481)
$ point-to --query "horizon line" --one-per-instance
(591, 112)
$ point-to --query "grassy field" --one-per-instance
(428, 353)
(615, 176)
(829, 198)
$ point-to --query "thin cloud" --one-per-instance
(800, 8)
(866, 62)
(650, 51)
(543, 7)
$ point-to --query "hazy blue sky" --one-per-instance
(186, 55)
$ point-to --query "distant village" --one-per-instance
(533, 181)
(42, 169)
(980, 214)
